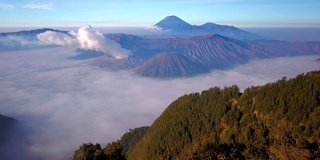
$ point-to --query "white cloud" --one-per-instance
(41, 6)
(50, 37)
(86, 38)
(12, 42)
(154, 28)
(65, 102)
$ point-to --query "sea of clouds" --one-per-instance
(61, 102)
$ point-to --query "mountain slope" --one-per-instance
(131, 138)
(229, 31)
(140, 47)
(166, 64)
(214, 50)
(211, 51)
(26, 39)
(31, 34)
(173, 25)
(5, 124)
(274, 121)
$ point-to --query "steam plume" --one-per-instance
(85, 38)
(51, 37)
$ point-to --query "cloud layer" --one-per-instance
(41, 6)
(65, 102)
(13, 42)
(51, 37)
(155, 29)
(85, 38)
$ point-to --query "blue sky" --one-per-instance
(141, 13)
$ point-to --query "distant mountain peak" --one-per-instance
(31, 33)
(172, 18)
(173, 22)
(173, 25)
(211, 24)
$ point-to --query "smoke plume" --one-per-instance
(85, 38)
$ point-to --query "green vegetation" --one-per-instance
(114, 150)
(131, 138)
(275, 121)
(279, 120)
(88, 151)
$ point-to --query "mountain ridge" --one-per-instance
(211, 51)
(173, 25)
(170, 65)
(5, 124)
(173, 22)
(262, 122)
(278, 120)
(32, 33)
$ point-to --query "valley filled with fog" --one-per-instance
(75, 75)
(61, 88)
(61, 102)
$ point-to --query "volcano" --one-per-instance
(169, 64)
(173, 25)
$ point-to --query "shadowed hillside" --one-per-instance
(278, 120)
(7, 127)
(5, 124)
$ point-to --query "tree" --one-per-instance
(114, 150)
(131, 138)
(89, 152)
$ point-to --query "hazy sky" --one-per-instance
(140, 13)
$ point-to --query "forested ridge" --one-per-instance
(279, 120)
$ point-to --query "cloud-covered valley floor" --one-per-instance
(65, 102)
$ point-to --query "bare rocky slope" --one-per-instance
(211, 47)
(168, 64)
(208, 51)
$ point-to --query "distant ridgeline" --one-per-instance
(179, 50)
(279, 120)
(6, 124)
